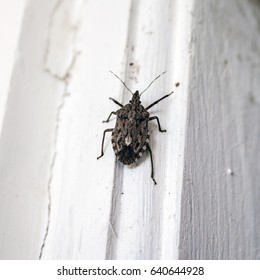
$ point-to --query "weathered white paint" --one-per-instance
(58, 202)
(221, 187)
(81, 186)
(62, 201)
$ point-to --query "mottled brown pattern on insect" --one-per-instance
(130, 137)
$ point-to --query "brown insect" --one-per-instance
(130, 137)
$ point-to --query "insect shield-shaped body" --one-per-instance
(130, 137)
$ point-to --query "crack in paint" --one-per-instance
(65, 79)
(65, 94)
(50, 26)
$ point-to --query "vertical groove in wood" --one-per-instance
(117, 192)
(115, 211)
(220, 198)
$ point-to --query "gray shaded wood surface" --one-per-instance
(221, 188)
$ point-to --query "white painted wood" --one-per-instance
(146, 217)
(221, 189)
(83, 208)
(58, 202)
(99, 236)
(11, 14)
(81, 186)
(27, 138)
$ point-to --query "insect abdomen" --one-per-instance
(126, 155)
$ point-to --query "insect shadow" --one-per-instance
(130, 136)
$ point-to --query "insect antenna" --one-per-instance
(152, 82)
(121, 81)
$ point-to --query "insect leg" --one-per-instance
(151, 156)
(119, 104)
(102, 145)
(155, 102)
(110, 116)
(156, 118)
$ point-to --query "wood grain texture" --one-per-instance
(221, 188)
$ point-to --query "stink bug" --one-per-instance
(130, 137)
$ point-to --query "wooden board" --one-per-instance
(221, 188)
